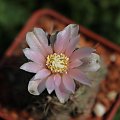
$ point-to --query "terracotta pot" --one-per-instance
(34, 20)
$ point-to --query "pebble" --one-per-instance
(113, 58)
(112, 95)
(99, 110)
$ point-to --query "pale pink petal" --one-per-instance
(33, 87)
(90, 63)
(41, 86)
(72, 45)
(31, 67)
(81, 53)
(50, 85)
(42, 74)
(64, 37)
(74, 29)
(42, 37)
(68, 83)
(76, 74)
(62, 40)
(75, 63)
(34, 43)
(36, 87)
(57, 79)
(34, 56)
(62, 93)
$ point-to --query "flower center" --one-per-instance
(57, 63)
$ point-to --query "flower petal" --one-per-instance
(41, 86)
(91, 63)
(42, 74)
(57, 79)
(74, 29)
(79, 76)
(36, 87)
(72, 45)
(63, 37)
(31, 67)
(68, 83)
(41, 35)
(75, 63)
(34, 43)
(61, 40)
(34, 55)
(62, 93)
(50, 85)
(81, 53)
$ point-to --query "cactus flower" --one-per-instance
(59, 64)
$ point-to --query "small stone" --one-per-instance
(99, 109)
(112, 95)
(113, 57)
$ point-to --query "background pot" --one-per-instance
(40, 16)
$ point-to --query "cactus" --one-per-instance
(62, 69)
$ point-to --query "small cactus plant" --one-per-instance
(71, 75)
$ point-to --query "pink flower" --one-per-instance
(57, 66)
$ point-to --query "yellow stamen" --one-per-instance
(57, 63)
